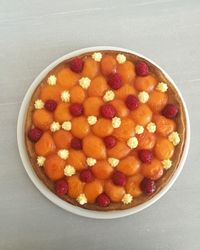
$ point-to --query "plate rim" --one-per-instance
(40, 185)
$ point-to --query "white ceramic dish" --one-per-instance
(51, 196)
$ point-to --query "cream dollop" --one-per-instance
(121, 58)
(127, 198)
(65, 96)
(91, 161)
(67, 125)
(162, 87)
(52, 80)
(116, 122)
(167, 164)
(143, 97)
(109, 96)
(39, 104)
(139, 129)
(69, 170)
(81, 199)
(132, 142)
(55, 126)
(97, 56)
(113, 162)
(174, 138)
(84, 82)
(63, 154)
(151, 127)
(41, 161)
(92, 119)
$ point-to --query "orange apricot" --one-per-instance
(120, 107)
(80, 127)
(157, 100)
(119, 151)
(45, 145)
(75, 186)
(145, 83)
(102, 170)
(133, 185)
(126, 129)
(129, 165)
(90, 68)
(54, 167)
(124, 91)
(164, 149)
(115, 192)
(62, 138)
(127, 71)
(146, 140)
(164, 126)
(98, 86)
(92, 106)
(62, 113)
(92, 190)
(42, 119)
(67, 78)
(77, 94)
(94, 147)
(142, 115)
(50, 93)
(153, 170)
(108, 65)
(77, 159)
(103, 127)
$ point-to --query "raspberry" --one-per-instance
(110, 141)
(76, 143)
(76, 109)
(50, 105)
(119, 178)
(103, 200)
(76, 65)
(86, 175)
(132, 102)
(148, 186)
(141, 68)
(115, 81)
(145, 156)
(170, 111)
(61, 187)
(108, 111)
(34, 134)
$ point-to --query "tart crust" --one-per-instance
(181, 128)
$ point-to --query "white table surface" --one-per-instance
(34, 33)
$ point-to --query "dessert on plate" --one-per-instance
(105, 130)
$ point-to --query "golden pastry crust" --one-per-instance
(181, 128)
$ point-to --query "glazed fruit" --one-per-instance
(61, 187)
(148, 186)
(102, 128)
(34, 134)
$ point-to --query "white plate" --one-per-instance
(51, 196)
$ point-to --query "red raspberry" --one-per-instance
(145, 156)
(86, 175)
(61, 187)
(132, 102)
(103, 200)
(50, 105)
(108, 111)
(76, 65)
(141, 68)
(110, 141)
(76, 109)
(148, 186)
(115, 81)
(34, 134)
(170, 111)
(76, 143)
(119, 178)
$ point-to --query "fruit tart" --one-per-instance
(105, 130)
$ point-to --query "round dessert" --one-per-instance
(105, 130)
